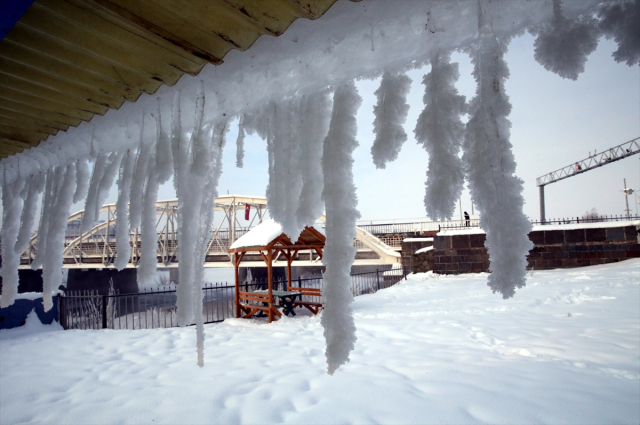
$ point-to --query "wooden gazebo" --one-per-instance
(271, 242)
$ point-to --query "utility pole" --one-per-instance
(627, 191)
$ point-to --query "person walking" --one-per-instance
(467, 219)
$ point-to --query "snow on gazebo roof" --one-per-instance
(263, 234)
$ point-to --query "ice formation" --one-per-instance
(297, 128)
(620, 20)
(441, 131)
(341, 206)
(62, 188)
(279, 91)
(563, 44)
(31, 194)
(123, 246)
(490, 164)
(390, 114)
(12, 209)
(198, 165)
(315, 117)
(240, 143)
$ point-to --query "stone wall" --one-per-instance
(557, 248)
(409, 247)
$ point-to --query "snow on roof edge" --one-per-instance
(541, 227)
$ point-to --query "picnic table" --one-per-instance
(287, 299)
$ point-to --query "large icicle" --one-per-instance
(198, 167)
(240, 143)
(440, 130)
(159, 170)
(563, 45)
(315, 117)
(496, 190)
(341, 204)
(285, 181)
(91, 207)
(82, 178)
(48, 200)
(206, 220)
(12, 205)
(63, 189)
(145, 151)
(123, 245)
(31, 193)
(390, 114)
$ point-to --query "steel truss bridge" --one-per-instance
(97, 247)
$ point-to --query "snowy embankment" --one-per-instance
(430, 350)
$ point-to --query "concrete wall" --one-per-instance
(558, 248)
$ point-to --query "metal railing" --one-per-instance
(585, 220)
(157, 308)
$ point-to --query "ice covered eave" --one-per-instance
(351, 40)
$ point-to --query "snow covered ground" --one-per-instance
(565, 349)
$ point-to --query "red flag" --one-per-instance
(247, 209)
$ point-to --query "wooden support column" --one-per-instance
(270, 282)
(289, 260)
(236, 264)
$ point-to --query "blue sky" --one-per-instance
(555, 122)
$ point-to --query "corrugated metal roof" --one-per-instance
(66, 60)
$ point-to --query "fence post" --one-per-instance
(104, 312)
(378, 279)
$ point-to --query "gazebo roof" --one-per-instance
(269, 232)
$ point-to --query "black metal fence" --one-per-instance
(157, 308)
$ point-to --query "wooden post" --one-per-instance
(236, 264)
(289, 260)
(270, 282)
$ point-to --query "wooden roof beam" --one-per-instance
(110, 7)
(41, 79)
(24, 86)
(72, 55)
(20, 124)
(28, 119)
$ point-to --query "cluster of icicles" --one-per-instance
(310, 140)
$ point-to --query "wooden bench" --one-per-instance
(263, 304)
(312, 306)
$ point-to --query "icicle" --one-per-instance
(564, 44)
(33, 188)
(496, 190)
(285, 181)
(390, 114)
(620, 22)
(341, 205)
(12, 205)
(110, 171)
(64, 187)
(48, 200)
(315, 117)
(91, 205)
(82, 177)
(240, 143)
(123, 245)
(139, 180)
(440, 130)
(190, 172)
(206, 220)
(164, 154)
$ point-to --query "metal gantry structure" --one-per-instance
(594, 161)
